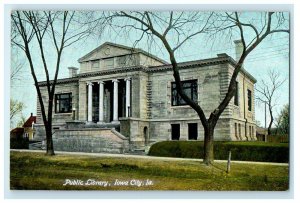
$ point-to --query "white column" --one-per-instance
(90, 101)
(116, 99)
(101, 102)
(127, 96)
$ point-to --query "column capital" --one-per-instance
(115, 80)
(89, 83)
(127, 78)
(102, 82)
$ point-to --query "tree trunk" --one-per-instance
(271, 121)
(49, 141)
(208, 145)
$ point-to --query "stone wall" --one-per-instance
(90, 140)
(240, 115)
(213, 84)
(161, 130)
(40, 133)
(208, 92)
(137, 130)
(59, 118)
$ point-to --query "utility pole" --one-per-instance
(265, 114)
(265, 120)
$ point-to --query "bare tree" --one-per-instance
(39, 31)
(16, 107)
(17, 66)
(267, 93)
(174, 29)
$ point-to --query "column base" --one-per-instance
(116, 122)
(89, 123)
(100, 122)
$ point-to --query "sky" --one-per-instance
(272, 53)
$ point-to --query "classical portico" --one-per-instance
(107, 100)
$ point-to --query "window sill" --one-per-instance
(68, 113)
(181, 107)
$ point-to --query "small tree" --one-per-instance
(16, 108)
(283, 121)
(267, 93)
(174, 29)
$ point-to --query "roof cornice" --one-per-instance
(60, 81)
(152, 69)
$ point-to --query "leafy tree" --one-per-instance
(16, 108)
(283, 120)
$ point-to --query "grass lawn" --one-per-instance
(35, 171)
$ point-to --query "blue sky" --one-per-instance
(272, 53)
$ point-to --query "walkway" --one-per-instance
(145, 157)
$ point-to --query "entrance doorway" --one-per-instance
(95, 102)
(122, 98)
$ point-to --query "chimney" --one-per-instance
(222, 55)
(238, 49)
(72, 72)
(30, 114)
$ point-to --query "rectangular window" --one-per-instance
(249, 100)
(189, 88)
(95, 64)
(175, 130)
(236, 131)
(236, 96)
(63, 103)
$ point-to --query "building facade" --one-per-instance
(124, 99)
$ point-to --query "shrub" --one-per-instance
(241, 151)
(19, 143)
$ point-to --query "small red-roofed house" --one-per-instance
(28, 127)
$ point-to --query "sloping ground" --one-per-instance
(90, 140)
(35, 171)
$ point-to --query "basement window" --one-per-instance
(175, 131)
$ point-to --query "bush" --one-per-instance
(19, 143)
(241, 151)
